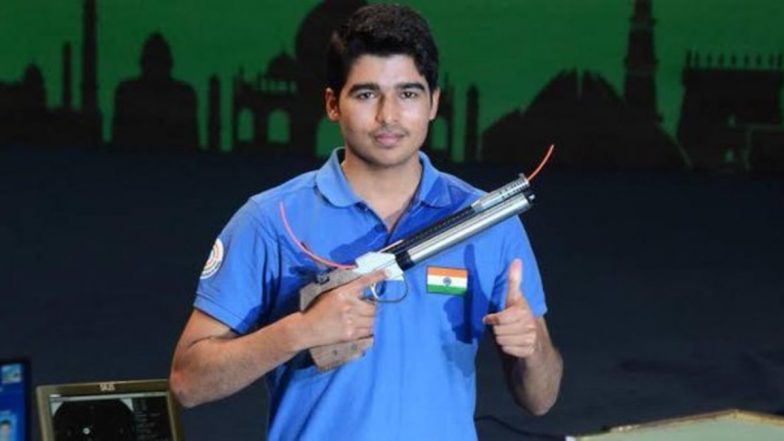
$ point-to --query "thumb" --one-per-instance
(514, 276)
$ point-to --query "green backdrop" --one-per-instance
(508, 48)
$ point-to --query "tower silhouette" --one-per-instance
(213, 114)
(90, 111)
(640, 62)
(67, 101)
(590, 122)
(445, 119)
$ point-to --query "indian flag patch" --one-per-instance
(442, 280)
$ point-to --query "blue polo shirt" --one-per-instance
(417, 381)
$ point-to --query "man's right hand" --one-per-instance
(340, 314)
(211, 361)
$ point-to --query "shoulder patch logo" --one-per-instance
(214, 261)
(441, 280)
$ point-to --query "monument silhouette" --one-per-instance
(731, 112)
(24, 117)
(291, 89)
(444, 123)
(640, 63)
(23, 108)
(592, 125)
(290, 92)
(273, 92)
(213, 114)
(155, 111)
(730, 116)
(91, 114)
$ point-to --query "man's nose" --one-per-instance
(387, 111)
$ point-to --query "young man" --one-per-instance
(5, 430)
(417, 380)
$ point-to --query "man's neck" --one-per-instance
(388, 190)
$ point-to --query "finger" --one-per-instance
(516, 340)
(364, 322)
(513, 276)
(490, 319)
(365, 309)
(358, 285)
(514, 295)
(518, 351)
(357, 332)
(364, 332)
(518, 327)
(370, 278)
(504, 317)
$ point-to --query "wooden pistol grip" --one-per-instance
(331, 356)
(309, 292)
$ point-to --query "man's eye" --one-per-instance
(409, 94)
(364, 95)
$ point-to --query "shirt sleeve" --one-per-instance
(236, 281)
(517, 245)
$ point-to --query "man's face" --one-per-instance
(383, 110)
(5, 432)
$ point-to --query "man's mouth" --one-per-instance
(387, 138)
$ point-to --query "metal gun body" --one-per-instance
(510, 200)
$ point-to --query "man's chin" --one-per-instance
(389, 159)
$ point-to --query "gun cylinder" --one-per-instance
(515, 188)
(497, 196)
(458, 233)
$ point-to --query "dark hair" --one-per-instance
(383, 30)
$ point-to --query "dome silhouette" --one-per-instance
(282, 67)
(312, 39)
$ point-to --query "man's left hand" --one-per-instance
(515, 327)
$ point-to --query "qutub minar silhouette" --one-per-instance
(730, 116)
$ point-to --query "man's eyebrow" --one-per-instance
(375, 87)
(363, 86)
(411, 85)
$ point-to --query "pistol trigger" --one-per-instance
(373, 292)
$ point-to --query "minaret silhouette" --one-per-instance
(472, 124)
(213, 114)
(67, 102)
(640, 62)
(89, 58)
(90, 72)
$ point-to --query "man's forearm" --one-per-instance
(212, 362)
(535, 380)
(215, 367)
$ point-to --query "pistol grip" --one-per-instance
(309, 292)
(331, 356)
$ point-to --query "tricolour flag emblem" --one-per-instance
(442, 280)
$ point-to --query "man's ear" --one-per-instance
(331, 104)
(434, 102)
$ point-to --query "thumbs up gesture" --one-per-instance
(515, 327)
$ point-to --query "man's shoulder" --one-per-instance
(266, 202)
(460, 191)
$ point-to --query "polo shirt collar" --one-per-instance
(333, 185)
